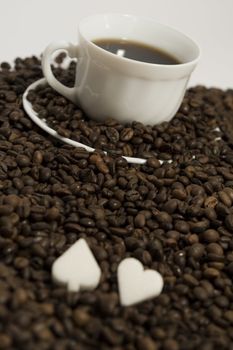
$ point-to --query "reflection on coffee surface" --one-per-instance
(136, 51)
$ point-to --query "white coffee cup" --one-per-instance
(108, 85)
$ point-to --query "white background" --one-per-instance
(27, 26)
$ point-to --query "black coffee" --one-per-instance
(136, 51)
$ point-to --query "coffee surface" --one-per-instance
(136, 51)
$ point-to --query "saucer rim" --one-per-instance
(42, 124)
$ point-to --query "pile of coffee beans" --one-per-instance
(176, 218)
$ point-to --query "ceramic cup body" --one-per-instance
(108, 85)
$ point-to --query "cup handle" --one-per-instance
(68, 92)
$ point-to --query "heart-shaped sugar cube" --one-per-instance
(136, 284)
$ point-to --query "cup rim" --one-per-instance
(136, 62)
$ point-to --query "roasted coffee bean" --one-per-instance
(6, 226)
(21, 263)
(52, 213)
(190, 280)
(81, 317)
(87, 222)
(146, 343)
(107, 303)
(211, 272)
(199, 226)
(200, 293)
(5, 341)
(37, 157)
(196, 251)
(225, 198)
(210, 236)
(12, 200)
(140, 220)
(179, 193)
(114, 204)
(170, 344)
(214, 248)
(153, 163)
(112, 134)
(229, 222)
(6, 209)
(222, 210)
(182, 226)
(22, 160)
(170, 206)
(5, 65)
(180, 258)
(126, 134)
(210, 202)
(44, 174)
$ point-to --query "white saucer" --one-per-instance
(43, 125)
